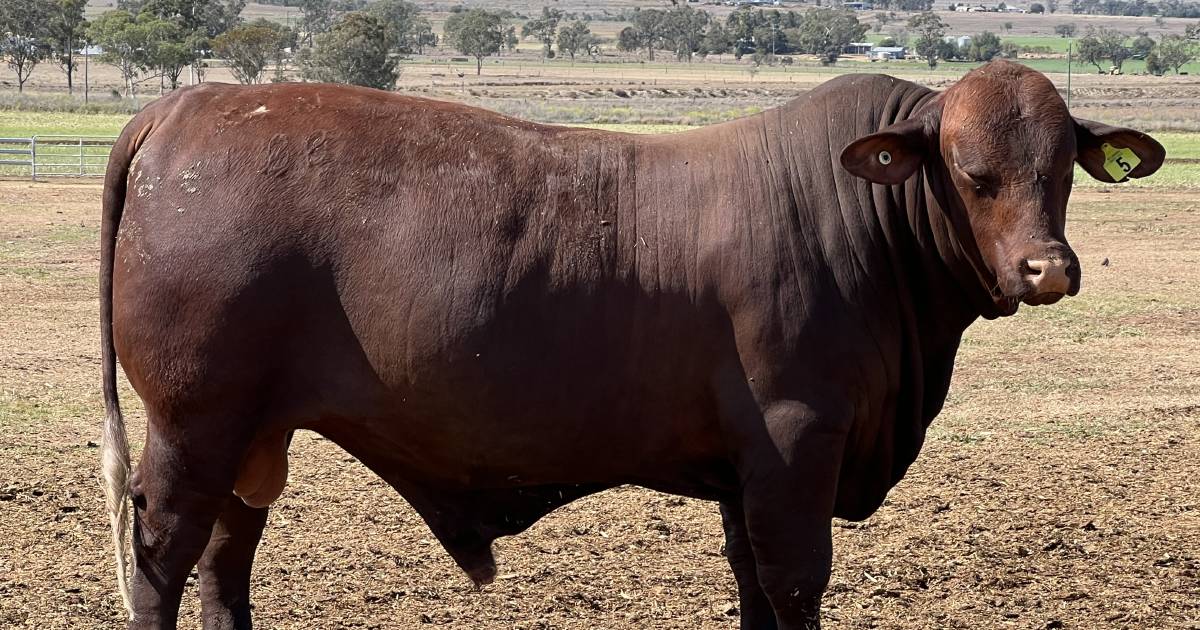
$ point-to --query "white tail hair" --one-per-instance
(114, 457)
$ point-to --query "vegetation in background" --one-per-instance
(250, 47)
(477, 32)
(544, 29)
(576, 38)
(931, 33)
(354, 51)
(67, 29)
(407, 30)
(25, 35)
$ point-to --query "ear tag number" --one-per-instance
(1119, 161)
(885, 158)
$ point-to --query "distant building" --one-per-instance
(857, 48)
(961, 41)
(883, 53)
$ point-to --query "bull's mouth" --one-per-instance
(1042, 299)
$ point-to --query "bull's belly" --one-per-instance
(503, 430)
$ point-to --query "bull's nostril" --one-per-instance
(1032, 267)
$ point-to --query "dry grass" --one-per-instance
(1058, 488)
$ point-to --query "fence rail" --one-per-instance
(55, 156)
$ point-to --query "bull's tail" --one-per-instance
(114, 448)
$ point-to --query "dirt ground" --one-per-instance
(1059, 489)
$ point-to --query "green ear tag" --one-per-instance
(1119, 161)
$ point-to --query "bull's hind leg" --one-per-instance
(228, 560)
(226, 564)
(181, 486)
(756, 611)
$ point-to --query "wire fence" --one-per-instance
(45, 156)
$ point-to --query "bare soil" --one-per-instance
(1059, 489)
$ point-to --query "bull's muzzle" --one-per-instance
(1049, 278)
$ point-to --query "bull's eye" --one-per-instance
(885, 158)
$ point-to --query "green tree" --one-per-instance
(983, 47)
(68, 29)
(168, 48)
(684, 29)
(1154, 64)
(575, 38)
(1113, 44)
(1091, 50)
(206, 18)
(1052, 5)
(646, 31)
(716, 40)
(250, 47)
(826, 32)
(407, 30)
(1142, 45)
(1037, 7)
(1064, 30)
(544, 29)
(25, 35)
(1176, 51)
(477, 32)
(354, 51)
(124, 42)
(317, 17)
(931, 31)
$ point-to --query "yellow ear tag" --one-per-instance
(1119, 161)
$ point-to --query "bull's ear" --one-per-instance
(1111, 154)
(891, 155)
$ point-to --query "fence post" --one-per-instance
(33, 158)
(81, 156)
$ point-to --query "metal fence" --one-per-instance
(55, 156)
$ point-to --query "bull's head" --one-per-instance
(1004, 145)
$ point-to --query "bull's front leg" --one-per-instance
(756, 611)
(789, 472)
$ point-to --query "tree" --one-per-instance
(1142, 45)
(510, 38)
(1037, 7)
(67, 29)
(1008, 27)
(1113, 44)
(574, 38)
(249, 47)
(124, 42)
(1091, 50)
(1175, 51)
(406, 30)
(1064, 30)
(716, 40)
(1192, 31)
(205, 18)
(25, 35)
(1052, 5)
(645, 32)
(931, 31)
(354, 51)
(544, 29)
(316, 17)
(983, 47)
(477, 32)
(167, 48)
(684, 29)
(1154, 64)
(826, 32)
